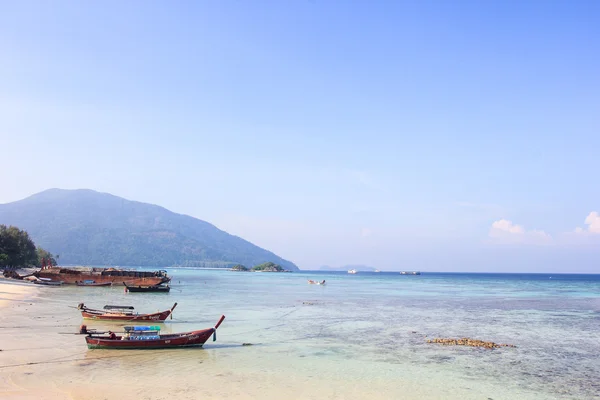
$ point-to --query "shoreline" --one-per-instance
(15, 291)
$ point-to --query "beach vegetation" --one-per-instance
(239, 267)
(16, 247)
(18, 250)
(44, 256)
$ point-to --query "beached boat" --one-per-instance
(123, 313)
(92, 283)
(47, 282)
(148, 337)
(153, 288)
(103, 275)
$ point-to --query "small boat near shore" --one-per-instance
(311, 282)
(148, 337)
(123, 313)
(47, 282)
(92, 283)
(153, 288)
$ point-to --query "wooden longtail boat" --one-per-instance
(48, 282)
(123, 313)
(153, 288)
(92, 283)
(131, 341)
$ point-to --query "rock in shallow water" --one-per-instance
(468, 342)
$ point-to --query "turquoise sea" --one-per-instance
(369, 331)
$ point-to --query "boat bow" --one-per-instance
(216, 326)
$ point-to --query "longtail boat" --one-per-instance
(148, 337)
(102, 275)
(153, 288)
(48, 282)
(92, 283)
(123, 313)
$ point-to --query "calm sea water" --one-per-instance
(374, 326)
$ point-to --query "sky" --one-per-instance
(429, 135)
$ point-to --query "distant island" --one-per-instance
(264, 267)
(90, 228)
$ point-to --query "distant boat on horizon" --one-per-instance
(377, 270)
(410, 273)
(352, 271)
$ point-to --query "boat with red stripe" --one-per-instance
(123, 313)
(148, 337)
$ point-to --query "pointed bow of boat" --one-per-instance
(220, 322)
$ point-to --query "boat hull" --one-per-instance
(49, 283)
(161, 316)
(188, 339)
(147, 289)
(92, 314)
(103, 275)
(94, 284)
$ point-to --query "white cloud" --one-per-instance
(593, 220)
(593, 223)
(504, 225)
(505, 231)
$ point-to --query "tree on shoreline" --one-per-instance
(47, 256)
(16, 247)
(18, 250)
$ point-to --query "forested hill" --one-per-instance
(91, 228)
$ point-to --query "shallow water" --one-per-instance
(359, 336)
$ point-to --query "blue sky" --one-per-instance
(428, 135)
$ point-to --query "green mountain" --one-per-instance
(90, 228)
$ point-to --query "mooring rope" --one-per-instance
(36, 326)
(62, 360)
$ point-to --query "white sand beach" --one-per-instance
(14, 291)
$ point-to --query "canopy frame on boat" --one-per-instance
(109, 307)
